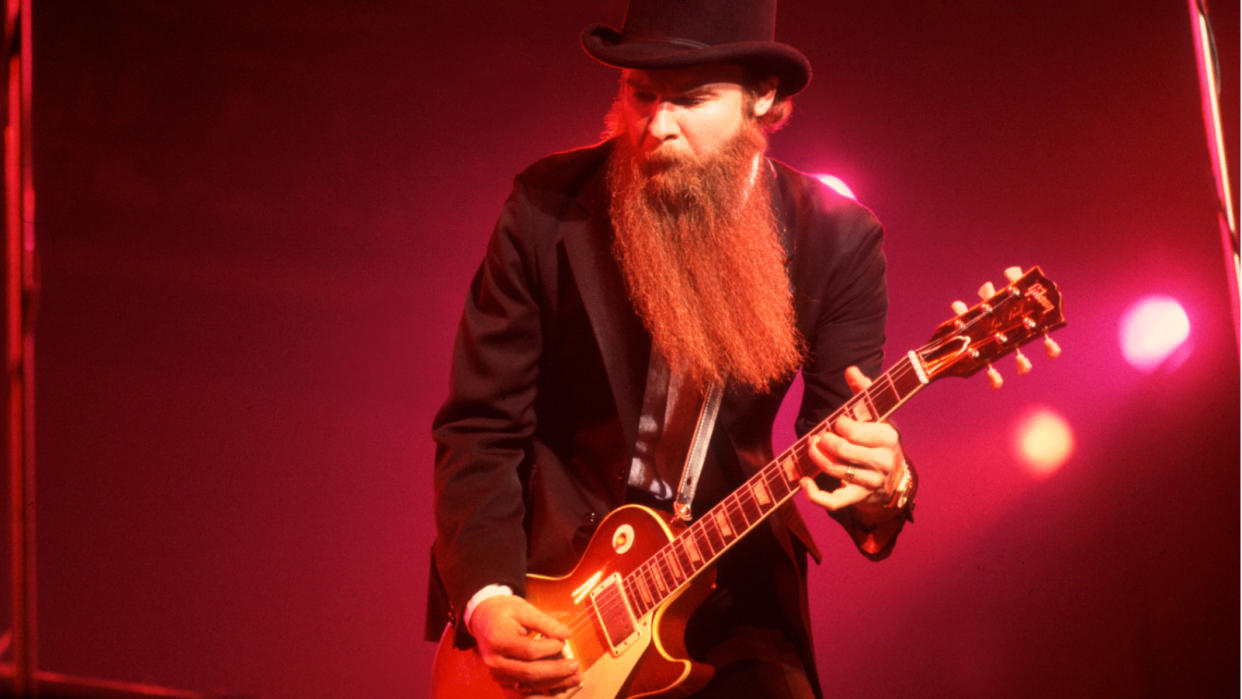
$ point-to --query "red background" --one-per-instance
(256, 222)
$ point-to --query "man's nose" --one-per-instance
(663, 124)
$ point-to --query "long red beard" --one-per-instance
(701, 256)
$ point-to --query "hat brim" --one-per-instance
(606, 45)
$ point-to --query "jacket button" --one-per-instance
(592, 518)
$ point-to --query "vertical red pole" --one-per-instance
(19, 290)
(1209, 91)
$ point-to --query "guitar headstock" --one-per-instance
(1029, 307)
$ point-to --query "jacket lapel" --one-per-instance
(623, 342)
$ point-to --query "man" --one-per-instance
(621, 283)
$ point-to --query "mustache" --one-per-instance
(663, 159)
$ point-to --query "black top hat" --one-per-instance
(679, 33)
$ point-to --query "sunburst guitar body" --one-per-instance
(623, 653)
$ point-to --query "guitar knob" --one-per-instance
(995, 380)
(1051, 348)
(987, 291)
(959, 307)
(1024, 364)
(1013, 274)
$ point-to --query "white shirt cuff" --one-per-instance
(487, 591)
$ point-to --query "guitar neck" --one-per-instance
(704, 541)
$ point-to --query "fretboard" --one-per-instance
(704, 541)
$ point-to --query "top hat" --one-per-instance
(680, 33)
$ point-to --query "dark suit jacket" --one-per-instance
(535, 438)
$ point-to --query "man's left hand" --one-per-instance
(865, 456)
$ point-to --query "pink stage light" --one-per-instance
(1044, 442)
(1153, 329)
(837, 185)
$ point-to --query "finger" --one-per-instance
(530, 617)
(553, 689)
(834, 500)
(527, 648)
(856, 380)
(848, 462)
(556, 687)
(867, 434)
(825, 451)
(538, 674)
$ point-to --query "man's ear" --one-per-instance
(766, 96)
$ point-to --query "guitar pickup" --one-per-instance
(616, 618)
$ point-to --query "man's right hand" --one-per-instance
(521, 646)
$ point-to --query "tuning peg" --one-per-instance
(1013, 274)
(959, 307)
(987, 291)
(1051, 348)
(1024, 364)
(995, 380)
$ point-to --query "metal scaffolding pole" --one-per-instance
(1209, 90)
(19, 291)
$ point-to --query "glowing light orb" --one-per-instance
(1044, 442)
(1153, 329)
(837, 185)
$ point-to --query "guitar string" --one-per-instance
(798, 450)
(797, 453)
(733, 504)
(664, 564)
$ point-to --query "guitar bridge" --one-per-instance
(612, 610)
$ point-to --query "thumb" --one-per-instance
(856, 380)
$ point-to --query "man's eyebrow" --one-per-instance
(687, 88)
(696, 88)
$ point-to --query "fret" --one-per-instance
(664, 572)
(748, 507)
(722, 524)
(683, 559)
(863, 409)
(674, 567)
(644, 592)
(778, 486)
(733, 510)
(884, 395)
(707, 544)
(789, 467)
(876, 413)
(692, 547)
(715, 542)
(804, 464)
(660, 583)
(762, 498)
(629, 586)
(907, 383)
(649, 576)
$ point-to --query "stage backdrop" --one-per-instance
(256, 223)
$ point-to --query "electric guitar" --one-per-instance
(644, 572)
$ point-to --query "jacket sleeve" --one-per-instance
(847, 328)
(484, 430)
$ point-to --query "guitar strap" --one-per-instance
(698, 450)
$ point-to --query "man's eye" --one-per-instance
(687, 101)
